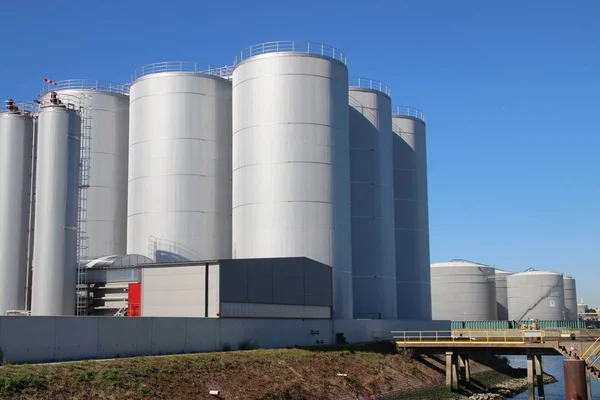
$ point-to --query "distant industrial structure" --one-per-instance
(468, 291)
(307, 187)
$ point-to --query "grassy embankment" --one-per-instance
(257, 374)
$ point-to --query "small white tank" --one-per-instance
(463, 291)
(536, 295)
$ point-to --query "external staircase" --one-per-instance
(590, 355)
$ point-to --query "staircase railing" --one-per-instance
(592, 352)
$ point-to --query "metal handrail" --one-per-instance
(366, 83)
(290, 46)
(223, 71)
(409, 112)
(464, 337)
(86, 84)
(24, 107)
(593, 349)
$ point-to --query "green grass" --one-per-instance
(286, 374)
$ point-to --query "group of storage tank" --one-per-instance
(464, 290)
(267, 159)
(64, 190)
(279, 156)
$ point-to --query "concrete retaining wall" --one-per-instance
(44, 339)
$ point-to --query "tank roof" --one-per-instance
(503, 272)
(536, 272)
(223, 71)
(23, 107)
(370, 84)
(86, 84)
(113, 261)
(460, 263)
(407, 111)
(290, 46)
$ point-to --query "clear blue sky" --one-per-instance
(510, 90)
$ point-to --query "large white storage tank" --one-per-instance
(291, 180)
(536, 295)
(56, 220)
(105, 140)
(463, 290)
(570, 289)
(16, 171)
(372, 200)
(179, 205)
(411, 210)
(502, 294)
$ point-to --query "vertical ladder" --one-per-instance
(82, 238)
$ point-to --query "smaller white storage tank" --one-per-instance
(570, 298)
(501, 294)
(535, 295)
(16, 161)
(56, 206)
(463, 290)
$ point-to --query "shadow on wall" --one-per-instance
(169, 251)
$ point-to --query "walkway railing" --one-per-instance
(467, 338)
(86, 84)
(371, 84)
(182, 66)
(21, 107)
(290, 46)
(590, 356)
(408, 111)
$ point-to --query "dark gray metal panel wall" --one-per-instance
(294, 281)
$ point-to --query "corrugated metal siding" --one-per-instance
(293, 281)
(253, 310)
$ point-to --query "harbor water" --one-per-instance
(552, 365)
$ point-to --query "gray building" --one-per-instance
(245, 288)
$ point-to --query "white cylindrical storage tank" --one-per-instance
(536, 295)
(57, 194)
(570, 298)
(16, 162)
(106, 141)
(291, 180)
(372, 200)
(463, 291)
(179, 205)
(411, 210)
(501, 294)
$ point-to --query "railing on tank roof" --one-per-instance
(10, 106)
(372, 84)
(409, 112)
(290, 46)
(86, 84)
(182, 66)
